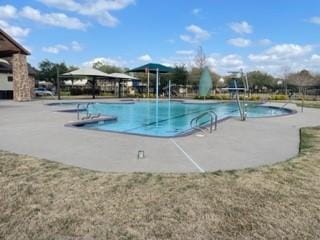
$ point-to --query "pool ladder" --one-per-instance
(213, 121)
(88, 115)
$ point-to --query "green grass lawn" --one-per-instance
(40, 199)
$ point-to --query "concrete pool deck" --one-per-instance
(36, 129)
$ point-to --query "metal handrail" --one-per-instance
(241, 109)
(213, 120)
(87, 110)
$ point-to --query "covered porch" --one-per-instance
(15, 55)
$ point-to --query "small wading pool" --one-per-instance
(167, 119)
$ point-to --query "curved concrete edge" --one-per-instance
(34, 129)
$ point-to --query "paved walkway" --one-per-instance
(36, 129)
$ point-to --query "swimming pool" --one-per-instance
(166, 119)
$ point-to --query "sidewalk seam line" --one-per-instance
(187, 155)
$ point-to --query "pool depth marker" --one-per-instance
(187, 155)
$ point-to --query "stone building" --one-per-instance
(15, 56)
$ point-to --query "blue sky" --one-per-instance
(273, 36)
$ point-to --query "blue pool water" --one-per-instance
(166, 119)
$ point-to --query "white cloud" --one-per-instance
(289, 50)
(315, 57)
(212, 63)
(239, 42)
(8, 11)
(215, 62)
(98, 9)
(145, 58)
(265, 42)
(197, 34)
(109, 61)
(241, 27)
(76, 46)
(281, 52)
(315, 20)
(280, 56)
(225, 63)
(196, 11)
(232, 60)
(55, 49)
(53, 19)
(185, 52)
(14, 31)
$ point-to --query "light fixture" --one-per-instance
(141, 154)
(221, 80)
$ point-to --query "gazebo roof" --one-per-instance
(86, 72)
(123, 76)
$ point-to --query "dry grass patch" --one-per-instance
(45, 200)
(309, 104)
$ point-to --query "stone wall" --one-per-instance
(32, 83)
(22, 84)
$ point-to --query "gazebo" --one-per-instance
(92, 73)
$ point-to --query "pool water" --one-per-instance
(167, 119)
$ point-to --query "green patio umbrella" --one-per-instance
(155, 68)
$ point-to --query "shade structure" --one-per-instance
(205, 84)
(152, 68)
(88, 72)
(122, 76)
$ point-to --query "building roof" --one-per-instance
(9, 46)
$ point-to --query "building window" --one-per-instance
(10, 79)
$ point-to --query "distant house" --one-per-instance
(16, 81)
(6, 80)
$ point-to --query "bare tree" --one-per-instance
(286, 73)
(200, 59)
(302, 80)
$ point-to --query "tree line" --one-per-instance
(258, 81)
